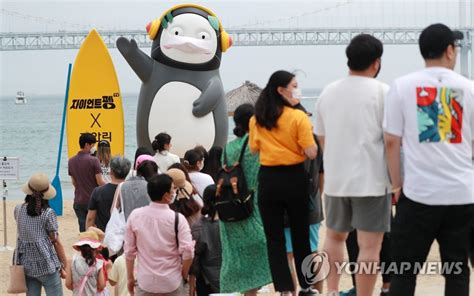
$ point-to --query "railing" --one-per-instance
(241, 37)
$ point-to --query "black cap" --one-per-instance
(436, 38)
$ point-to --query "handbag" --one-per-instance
(115, 230)
(234, 200)
(17, 283)
(17, 277)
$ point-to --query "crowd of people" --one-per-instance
(174, 242)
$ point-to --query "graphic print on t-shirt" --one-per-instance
(439, 113)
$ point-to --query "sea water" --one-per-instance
(31, 133)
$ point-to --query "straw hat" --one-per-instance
(186, 191)
(87, 238)
(39, 182)
(178, 176)
(100, 233)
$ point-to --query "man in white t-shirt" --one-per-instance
(349, 115)
(431, 112)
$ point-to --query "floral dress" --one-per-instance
(244, 249)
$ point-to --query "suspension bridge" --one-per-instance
(324, 25)
(241, 37)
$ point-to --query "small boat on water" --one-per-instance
(20, 98)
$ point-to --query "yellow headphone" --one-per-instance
(153, 27)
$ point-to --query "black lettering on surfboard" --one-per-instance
(74, 104)
(105, 102)
(108, 102)
(96, 120)
(90, 103)
(103, 136)
(82, 104)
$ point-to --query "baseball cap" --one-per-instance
(436, 38)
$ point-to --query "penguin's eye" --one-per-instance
(177, 31)
(204, 36)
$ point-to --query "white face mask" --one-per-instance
(93, 150)
(201, 166)
(296, 93)
(173, 197)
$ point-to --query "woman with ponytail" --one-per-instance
(244, 271)
(38, 247)
(283, 138)
(194, 163)
(163, 157)
(85, 275)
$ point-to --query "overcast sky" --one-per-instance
(44, 71)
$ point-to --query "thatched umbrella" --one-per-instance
(248, 92)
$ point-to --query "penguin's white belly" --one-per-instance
(171, 112)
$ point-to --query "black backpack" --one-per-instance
(234, 201)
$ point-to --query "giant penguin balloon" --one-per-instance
(182, 92)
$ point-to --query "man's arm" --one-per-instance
(100, 179)
(90, 220)
(73, 182)
(392, 146)
(186, 266)
(130, 253)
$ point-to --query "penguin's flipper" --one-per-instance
(209, 98)
(141, 64)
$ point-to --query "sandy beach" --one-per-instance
(427, 284)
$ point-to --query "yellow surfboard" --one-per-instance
(94, 102)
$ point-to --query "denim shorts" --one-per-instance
(51, 283)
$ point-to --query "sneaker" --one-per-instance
(351, 292)
(308, 292)
(383, 293)
(286, 293)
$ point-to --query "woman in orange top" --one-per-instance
(283, 136)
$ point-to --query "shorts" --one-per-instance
(313, 238)
(366, 213)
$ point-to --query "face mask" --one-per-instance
(93, 150)
(378, 71)
(201, 166)
(173, 197)
(296, 93)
